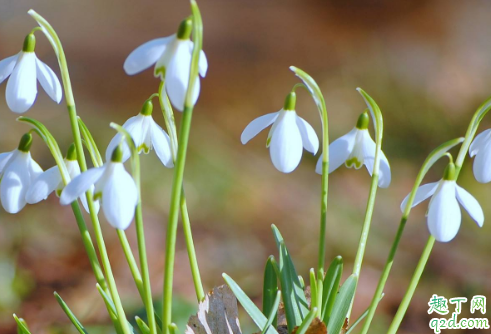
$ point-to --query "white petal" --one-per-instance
(309, 137)
(161, 144)
(79, 185)
(286, 143)
(177, 76)
(478, 142)
(49, 81)
(119, 198)
(34, 169)
(471, 205)
(422, 193)
(145, 55)
(339, 151)
(4, 159)
(7, 66)
(482, 163)
(43, 185)
(444, 215)
(134, 127)
(21, 87)
(369, 147)
(257, 125)
(74, 171)
(15, 182)
(202, 64)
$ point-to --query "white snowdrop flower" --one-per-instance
(25, 69)
(355, 149)
(147, 134)
(51, 180)
(113, 185)
(481, 149)
(17, 171)
(288, 136)
(444, 216)
(172, 59)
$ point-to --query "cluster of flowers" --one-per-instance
(23, 180)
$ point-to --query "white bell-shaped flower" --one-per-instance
(25, 69)
(481, 149)
(355, 149)
(172, 59)
(51, 180)
(113, 185)
(444, 216)
(17, 171)
(289, 135)
(147, 134)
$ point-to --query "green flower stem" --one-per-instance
(72, 113)
(324, 189)
(188, 236)
(128, 253)
(394, 326)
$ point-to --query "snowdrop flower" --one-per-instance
(172, 58)
(51, 180)
(287, 137)
(25, 69)
(444, 216)
(355, 149)
(147, 135)
(113, 185)
(17, 171)
(481, 148)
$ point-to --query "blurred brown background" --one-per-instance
(426, 63)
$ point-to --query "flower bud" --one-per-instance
(290, 101)
(29, 43)
(185, 29)
(25, 143)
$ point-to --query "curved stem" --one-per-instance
(401, 311)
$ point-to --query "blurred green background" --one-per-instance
(426, 63)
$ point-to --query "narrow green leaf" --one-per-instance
(313, 288)
(294, 294)
(270, 288)
(342, 305)
(255, 314)
(142, 326)
(307, 321)
(78, 325)
(21, 325)
(273, 313)
(331, 286)
(357, 321)
(112, 311)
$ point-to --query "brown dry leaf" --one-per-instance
(316, 327)
(217, 314)
(345, 327)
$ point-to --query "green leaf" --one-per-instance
(307, 321)
(357, 321)
(112, 311)
(313, 288)
(256, 315)
(270, 288)
(296, 306)
(142, 326)
(342, 305)
(21, 325)
(80, 328)
(272, 314)
(90, 143)
(331, 285)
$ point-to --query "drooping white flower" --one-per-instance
(481, 148)
(444, 216)
(51, 180)
(113, 185)
(288, 136)
(25, 69)
(172, 58)
(147, 134)
(17, 171)
(355, 149)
